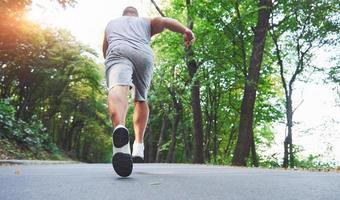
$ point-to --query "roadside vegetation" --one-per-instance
(215, 102)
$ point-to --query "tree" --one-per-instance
(193, 66)
(303, 26)
(220, 51)
(246, 136)
(55, 87)
(177, 117)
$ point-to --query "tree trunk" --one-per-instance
(244, 141)
(289, 109)
(216, 103)
(253, 151)
(208, 125)
(288, 158)
(170, 156)
(161, 137)
(198, 127)
(195, 97)
(230, 142)
(86, 150)
(187, 145)
(77, 146)
(149, 148)
(178, 110)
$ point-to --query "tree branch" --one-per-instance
(158, 9)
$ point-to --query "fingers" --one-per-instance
(188, 43)
(193, 39)
(190, 35)
(189, 38)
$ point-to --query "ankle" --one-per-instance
(138, 146)
(138, 142)
(120, 126)
(138, 149)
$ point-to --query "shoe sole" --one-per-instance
(122, 164)
(121, 161)
(137, 159)
(120, 137)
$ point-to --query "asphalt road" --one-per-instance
(163, 181)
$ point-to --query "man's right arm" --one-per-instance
(158, 24)
(105, 46)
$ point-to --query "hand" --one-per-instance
(189, 37)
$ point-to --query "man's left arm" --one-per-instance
(158, 24)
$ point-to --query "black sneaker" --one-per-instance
(121, 159)
(137, 159)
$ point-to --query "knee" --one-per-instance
(142, 105)
(118, 94)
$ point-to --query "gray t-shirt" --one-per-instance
(132, 31)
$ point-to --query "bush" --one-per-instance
(314, 162)
(31, 135)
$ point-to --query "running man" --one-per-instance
(128, 65)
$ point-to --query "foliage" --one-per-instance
(313, 162)
(29, 135)
(334, 74)
(52, 95)
(222, 59)
(334, 77)
(297, 28)
(54, 91)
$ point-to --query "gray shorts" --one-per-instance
(131, 67)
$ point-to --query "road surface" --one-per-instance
(164, 182)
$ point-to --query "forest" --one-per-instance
(214, 102)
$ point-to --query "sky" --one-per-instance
(317, 127)
(88, 19)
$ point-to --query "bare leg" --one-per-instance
(118, 104)
(140, 120)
